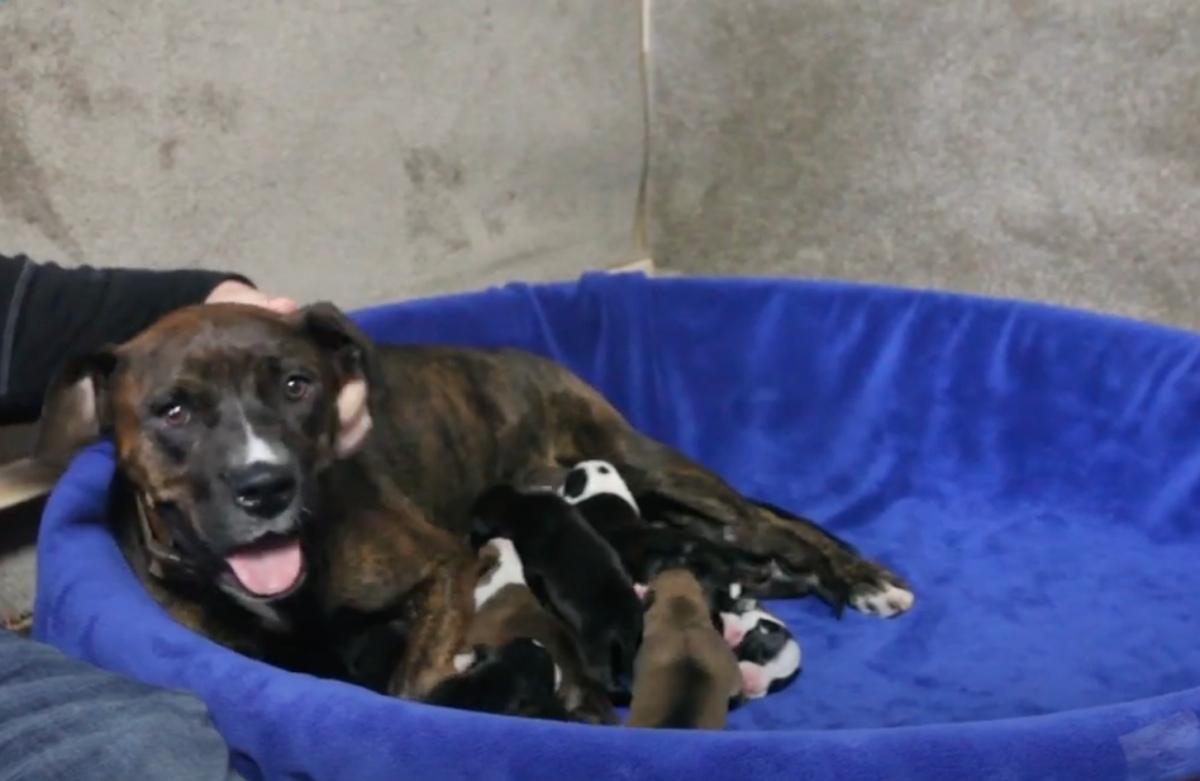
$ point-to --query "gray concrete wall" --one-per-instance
(1036, 149)
(349, 149)
(364, 150)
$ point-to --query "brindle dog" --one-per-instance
(294, 491)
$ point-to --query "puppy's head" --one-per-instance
(592, 479)
(507, 511)
(223, 416)
(519, 678)
(767, 653)
(491, 514)
(677, 583)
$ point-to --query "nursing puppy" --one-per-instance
(576, 572)
(599, 492)
(506, 610)
(768, 655)
(685, 674)
(517, 679)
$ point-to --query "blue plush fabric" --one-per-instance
(1034, 472)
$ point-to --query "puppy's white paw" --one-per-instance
(885, 600)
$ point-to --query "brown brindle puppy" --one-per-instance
(290, 488)
(685, 673)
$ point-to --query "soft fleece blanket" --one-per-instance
(1035, 472)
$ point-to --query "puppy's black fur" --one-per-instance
(763, 643)
(515, 680)
(574, 570)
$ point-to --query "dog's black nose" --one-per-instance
(264, 490)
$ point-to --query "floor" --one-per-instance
(18, 564)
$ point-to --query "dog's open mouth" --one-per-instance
(269, 567)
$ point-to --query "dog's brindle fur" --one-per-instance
(383, 526)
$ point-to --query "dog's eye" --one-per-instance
(296, 386)
(175, 414)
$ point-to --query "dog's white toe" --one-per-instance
(885, 600)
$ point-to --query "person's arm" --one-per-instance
(49, 314)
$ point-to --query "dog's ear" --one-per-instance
(76, 409)
(353, 356)
(352, 350)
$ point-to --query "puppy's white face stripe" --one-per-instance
(602, 478)
(508, 570)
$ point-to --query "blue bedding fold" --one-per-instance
(1033, 471)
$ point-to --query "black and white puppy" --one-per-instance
(569, 565)
(597, 489)
(517, 679)
(767, 653)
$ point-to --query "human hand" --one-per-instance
(232, 291)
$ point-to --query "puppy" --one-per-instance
(685, 674)
(599, 492)
(516, 679)
(505, 610)
(768, 655)
(574, 569)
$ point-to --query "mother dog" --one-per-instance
(302, 495)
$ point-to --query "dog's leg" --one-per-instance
(440, 613)
(805, 557)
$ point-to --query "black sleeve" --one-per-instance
(50, 314)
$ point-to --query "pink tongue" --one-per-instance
(267, 568)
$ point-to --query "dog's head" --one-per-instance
(223, 416)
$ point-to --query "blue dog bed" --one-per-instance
(1034, 472)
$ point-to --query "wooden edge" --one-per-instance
(645, 266)
(25, 479)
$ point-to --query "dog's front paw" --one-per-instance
(883, 598)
